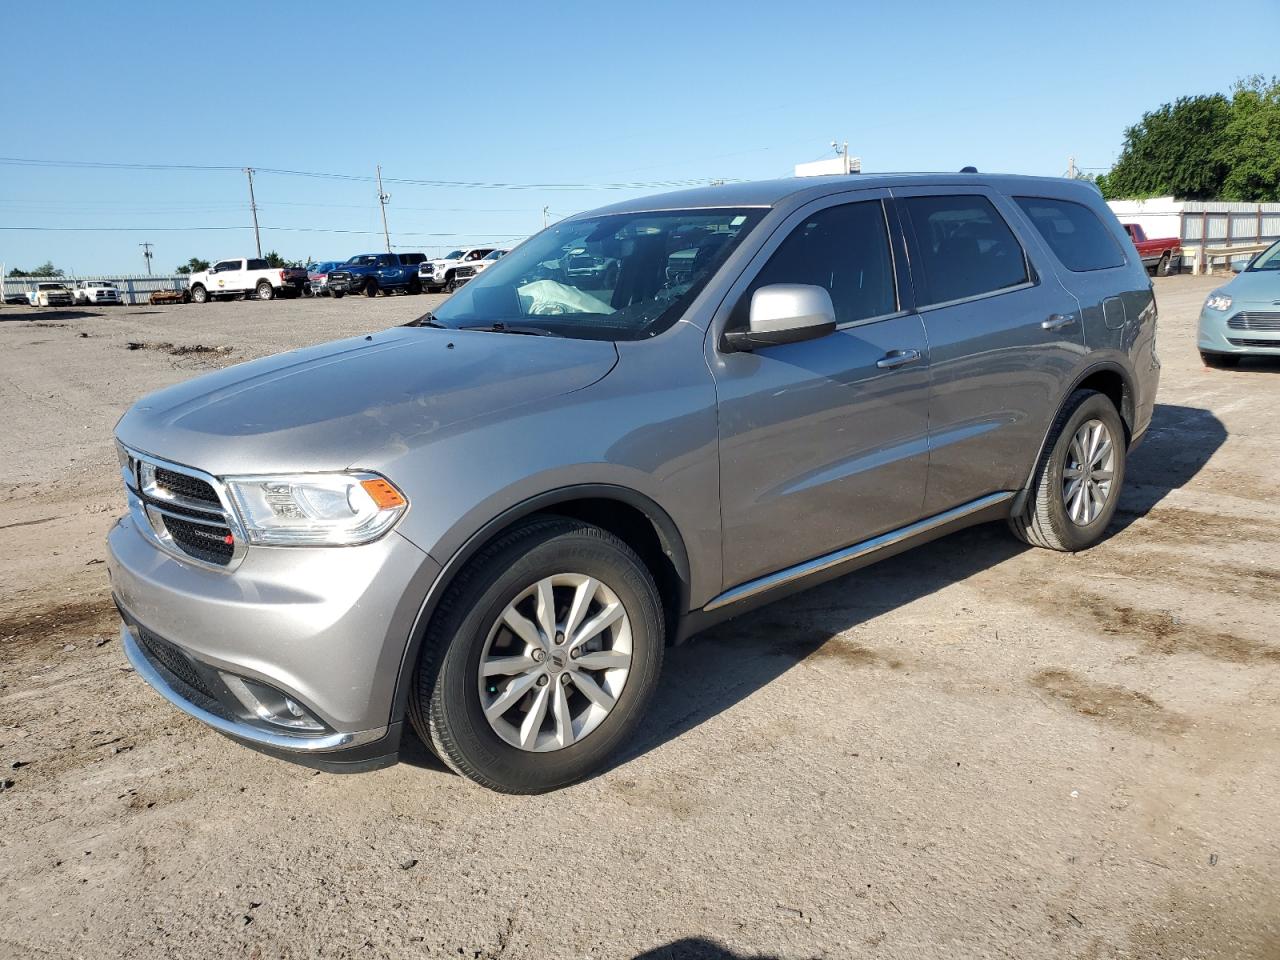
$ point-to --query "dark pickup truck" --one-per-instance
(368, 273)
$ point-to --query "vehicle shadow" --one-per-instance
(729, 662)
(1178, 444)
(47, 314)
(697, 948)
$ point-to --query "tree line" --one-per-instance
(194, 265)
(1210, 147)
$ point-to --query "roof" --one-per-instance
(769, 193)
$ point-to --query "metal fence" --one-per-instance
(134, 290)
(1215, 226)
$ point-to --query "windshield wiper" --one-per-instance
(428, 319)
(500, 327)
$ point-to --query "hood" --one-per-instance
(1261, 286)
(354, 402)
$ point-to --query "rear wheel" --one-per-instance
(1078, 480)
(199, 294)
(415, 286)
(1162, 268)
(371, 288)
(1220, 361)
(541, 659)
(265, 291)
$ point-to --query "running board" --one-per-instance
(827, 562)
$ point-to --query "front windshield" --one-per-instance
(624, 276)
(452, 255)
(364, 261)
(1268, 259)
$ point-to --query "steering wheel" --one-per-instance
(548, 308)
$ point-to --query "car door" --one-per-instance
(823, 443)
(1096, 264)
(1004, 339)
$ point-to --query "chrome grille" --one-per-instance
(182, 511)
(1255, 320)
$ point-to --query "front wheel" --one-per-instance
(1078, 479)
(337, 294)
(371, 289)
(541, 659)
(199, 294)
(1219, 361)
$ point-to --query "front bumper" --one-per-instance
(326, 627)
(1216, 336)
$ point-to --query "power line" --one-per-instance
(401, 233)
(278, 171)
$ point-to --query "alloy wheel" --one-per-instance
(1089, 471)
(555, 662)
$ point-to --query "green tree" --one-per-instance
(275, 260)
(1250, 147)
(46, 269)
(194, 265)
(1174, 150)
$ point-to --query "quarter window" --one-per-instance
(1074, 233)
(844, 249)
(965, 248)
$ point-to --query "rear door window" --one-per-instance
(259, 265)
(1074, 233)
(964, 249)
(844, 249)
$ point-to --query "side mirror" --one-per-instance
(784, 313)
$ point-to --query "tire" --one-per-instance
(1219, 361)
(415, 286)
(199, 294)
(265, 291)
(451, 286)
(1046, 520)
(434, 289)
(447, 703)
(371, 288)
(1162, 268)
(337, 294)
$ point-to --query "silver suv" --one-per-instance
(489, 523)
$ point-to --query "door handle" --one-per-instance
(898, 358)
(1058, 321)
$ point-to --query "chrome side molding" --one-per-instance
(859, 550)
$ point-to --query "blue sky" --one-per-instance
(566, 93)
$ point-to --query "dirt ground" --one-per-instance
(972, 750)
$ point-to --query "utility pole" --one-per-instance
(146, 254)
(545, 212)
(383, 197)
(1072, 172)
(253, 206)
(844, 153)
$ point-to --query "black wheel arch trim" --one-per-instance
(669, 538)
(1126, 417)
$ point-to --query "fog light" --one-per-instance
(271, 706)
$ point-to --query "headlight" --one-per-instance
(310, 509)
(1218, 300)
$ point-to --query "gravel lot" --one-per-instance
(974, 749)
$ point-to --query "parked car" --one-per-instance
(16, 299)
(1163, 255)
(468, 270)
(438, 274)
(488, 524)
(51, 294)
(373, 273)
(318, 276)
(1243, 318)
(231, 279)
(98, 292)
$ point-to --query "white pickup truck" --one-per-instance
(438, 274)
(90, 292)
(231, 279)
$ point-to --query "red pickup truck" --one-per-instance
(1163, 254)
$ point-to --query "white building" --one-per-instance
(1223, 224)
(824, 168)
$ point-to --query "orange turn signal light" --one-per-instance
(384, 494)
